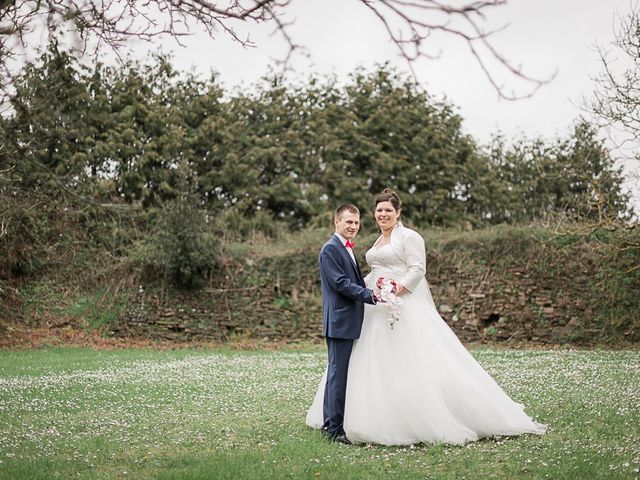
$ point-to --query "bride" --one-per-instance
(415, 382)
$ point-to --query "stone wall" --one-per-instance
(515, 289)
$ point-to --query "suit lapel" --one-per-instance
(358, 269)
(355, 267)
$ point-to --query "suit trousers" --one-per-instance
(336, 387)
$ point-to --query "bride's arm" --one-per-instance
(416, 260)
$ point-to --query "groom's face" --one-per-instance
(347, 224)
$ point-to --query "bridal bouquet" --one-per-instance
(392, 302)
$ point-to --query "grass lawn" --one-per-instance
(199, 414)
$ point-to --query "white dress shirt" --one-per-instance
(349, 250)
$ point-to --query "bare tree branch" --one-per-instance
(616, 98)
(111, 23)
(615, 102)
(417, 20)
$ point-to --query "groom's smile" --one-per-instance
(347, 224)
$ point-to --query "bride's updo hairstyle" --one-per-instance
(389, 195)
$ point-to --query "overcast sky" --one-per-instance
(545, 37)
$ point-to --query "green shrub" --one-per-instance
(98, 309)
(23, 234)
(185, 244)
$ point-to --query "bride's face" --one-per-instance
(386, 215)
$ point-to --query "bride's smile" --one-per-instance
(386, 215)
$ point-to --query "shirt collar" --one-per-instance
(341, 238)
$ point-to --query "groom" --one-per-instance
(343, 297)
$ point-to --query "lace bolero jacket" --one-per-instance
(408, 246)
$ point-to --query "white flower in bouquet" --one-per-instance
(393, 303)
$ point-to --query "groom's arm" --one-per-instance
(336, 276)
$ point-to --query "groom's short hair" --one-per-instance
(346, 207)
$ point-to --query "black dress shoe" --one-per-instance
(341, 439)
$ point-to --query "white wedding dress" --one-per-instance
(415, 382)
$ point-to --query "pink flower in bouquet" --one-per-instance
(381, 282)
(392, 302)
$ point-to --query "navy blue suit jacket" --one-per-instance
(343, 292)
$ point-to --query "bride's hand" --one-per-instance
(400, 290)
